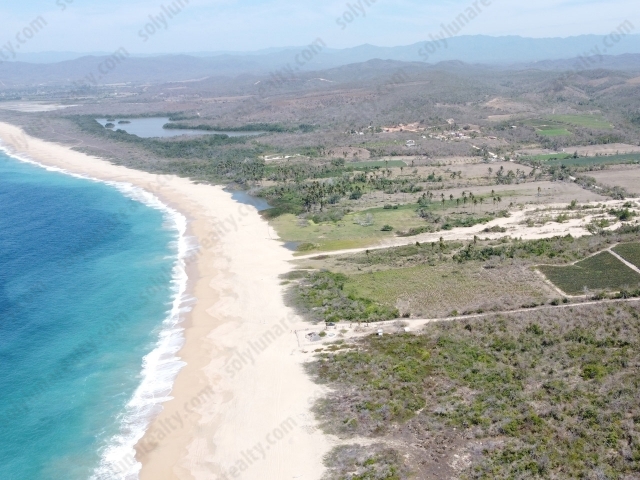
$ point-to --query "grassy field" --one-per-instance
(550, 156)
(554, 132)
(600, 272)
(346, 233)
(587, 121)
(588, 161)
(630, 252)
(555, 125)
(550, 394)
(374, 164)
(438, 291)
(349, 233)
(548, 128)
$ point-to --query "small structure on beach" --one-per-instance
(313, 337)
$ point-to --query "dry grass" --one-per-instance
(628, 178)
(437, 291)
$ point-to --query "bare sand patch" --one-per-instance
(32, 107)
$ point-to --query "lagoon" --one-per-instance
(152, 127)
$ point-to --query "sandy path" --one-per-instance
(240, 407)
(627, 263)
(414, 325)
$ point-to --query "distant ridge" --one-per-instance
(466, 48)
(585, 52)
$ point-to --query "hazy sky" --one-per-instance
(214, 25)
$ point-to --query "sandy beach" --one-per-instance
(240, 408)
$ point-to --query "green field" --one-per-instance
(630, 252)
(349, 233)
(346, 233)
(588, 161)
(547, 157)
(556, 125)
(600, 272)
(374, 164)
(587, 121)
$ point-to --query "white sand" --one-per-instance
(241, 407)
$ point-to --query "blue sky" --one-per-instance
(240, 25)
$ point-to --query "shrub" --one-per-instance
(322, 296)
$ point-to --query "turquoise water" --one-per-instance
(89, 286)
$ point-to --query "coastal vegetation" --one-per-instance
(535, 395)
(323, 297)
(538, 384)
(447, 279)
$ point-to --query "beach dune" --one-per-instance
(240, 407)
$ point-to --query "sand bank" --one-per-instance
(241, 405)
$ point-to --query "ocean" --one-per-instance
(92, 286)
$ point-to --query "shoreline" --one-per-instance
(240, 407)
(161, 365)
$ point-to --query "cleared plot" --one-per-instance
(553, 132)
(548, 128)
(630, 252)
(588, 161)
(435, 291)
(600, 272)
(628, 178)
(588, 121)
(604, 149)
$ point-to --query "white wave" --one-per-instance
(161, 366)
